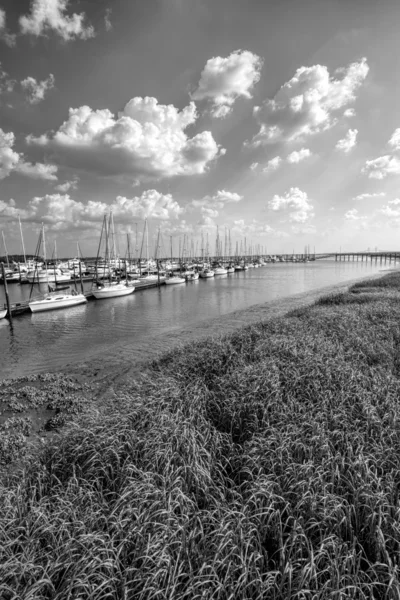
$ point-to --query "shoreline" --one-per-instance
(98, 368)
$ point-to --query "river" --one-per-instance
(138, 326)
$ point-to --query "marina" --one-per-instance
(150, 320)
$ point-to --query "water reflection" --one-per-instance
(134, 326)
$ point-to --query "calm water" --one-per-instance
(135, 326)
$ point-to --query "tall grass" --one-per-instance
(263, 464)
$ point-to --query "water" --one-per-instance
(134, 327)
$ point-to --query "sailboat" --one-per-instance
(174, 278)
(110, 289)
(55, 300)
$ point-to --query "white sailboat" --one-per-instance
(110, 289)
(55, 300)
(3, 313)
(174, 278)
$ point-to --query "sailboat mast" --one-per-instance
(22, 239)
(5, 249)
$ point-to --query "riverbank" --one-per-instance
(260, 464)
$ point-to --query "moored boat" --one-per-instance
(174, 279)
(112, 290)
(3, 313)
(55, 301)
(206, 273)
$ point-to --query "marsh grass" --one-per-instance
(262, 464)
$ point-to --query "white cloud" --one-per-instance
(147, 139)
(380, 167)
(295, 202)
(255, 228)
(348, 142)
(61, 212)
(272, 164)
(349, 112)
(306, 104)
(8, 209)
(218, 201)
(253, 166)
(6, 84)
(37, 171)
(353, 215)
(11, 161)
(297, 156)
(367, 196)
(107, 22)
(209, 212)
(223, 80)
(51, 15)
(8, 38)
(394, 141)
(67, 185)
(36, 90)
(391, 210)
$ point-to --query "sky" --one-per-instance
(275, 121)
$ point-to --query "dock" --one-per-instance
(20, 308)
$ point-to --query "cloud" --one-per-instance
(8, 38)
(60, 212)
(223, 80)
(353, 215)
(348, 142)
(218, 201)
(51, 15)
(8, 209)
(146, 139)
(305, 105)
(6, 84)
(253, 166)
(394, 141)
(11, 161)
(296, 157)
(295, 202)
(379, 168)
(67, 185)
(255, 228)
(367, 196)
(349, 112)
(107, 23)
(391, 210)
(36, 90)
(209, 212)
(272, 164)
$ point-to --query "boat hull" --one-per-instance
(113, 291)
(174, 280)
(3, 313)
(53, 303)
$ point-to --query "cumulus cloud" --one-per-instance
(297, 156)
(146, 139)
(255, 228)
(50, 15)
(379, 168)
(6, 84)
(307, 103)
(107, 22)
(353, 215)
(60, 212)
(295, 202)
(8, 209)
(12, 161)
(8, 38)
(67, 185)
(348, 142)
(394, 141)
(223, 80)
(253, 166)
(367, 196)
(349, 112)
(391, 210)
(36, 90)
(218, 201)
(272, 164)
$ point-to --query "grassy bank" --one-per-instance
(263, 464)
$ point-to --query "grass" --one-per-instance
(264, 464)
